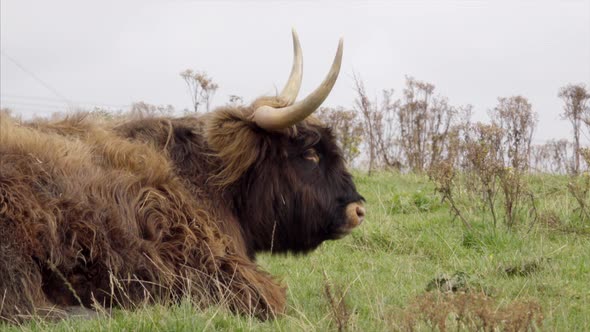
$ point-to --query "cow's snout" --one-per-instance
(355, 214)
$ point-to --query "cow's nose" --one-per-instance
(360, 212)
(355, 214)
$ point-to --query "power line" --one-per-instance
(36, 78)
(18, 104)
(31, 97)
(21, 98)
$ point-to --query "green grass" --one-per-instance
(408, 239)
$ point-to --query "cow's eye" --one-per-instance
(311, 154)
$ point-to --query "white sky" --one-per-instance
(119, 52)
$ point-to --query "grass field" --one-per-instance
(393, 271)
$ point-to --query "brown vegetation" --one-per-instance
(346, 127)
(201, 88)
(337, 302)
(575, 98)
(422, 132)
(469, 311)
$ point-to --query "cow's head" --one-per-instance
(286, 175)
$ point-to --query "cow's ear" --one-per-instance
(312, 154)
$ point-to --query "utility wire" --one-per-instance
(18, 104)
(36, 78)
(22, 98)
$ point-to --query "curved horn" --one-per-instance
(291, 89)
(271, 118)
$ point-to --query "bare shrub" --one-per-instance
(482, 162)
(555, 156)
(388, 149)
(412, 132)
(515, 116)
(476, 149)
(380, 126)
(105, 114)
(424, 123)
(235, 100)
(453, 148)
(144, 110)
(347, 128)
(412, 118)
(443, 174)
(371, 120)
(541, 161)
(512, 185)
(476, 152)
(579, 187)
(201, 88)
(445, 171)
(575, 109)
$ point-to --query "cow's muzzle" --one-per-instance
(355, 215)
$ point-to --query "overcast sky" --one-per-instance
(114, 53)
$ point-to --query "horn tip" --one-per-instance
(339, 51)
(295, 38)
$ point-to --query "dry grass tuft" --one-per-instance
(469, 311)
(550, 219)
(336, 296)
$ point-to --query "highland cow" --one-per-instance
(97, 212)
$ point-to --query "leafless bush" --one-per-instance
(371, 120)
(412, 118)
(347, 127)
(105, 114)
(515, 116)
(380, 127)
(541, 159)
(483, 172)
(425, 121)
(482, 162)
(579, 187)
(388, 149)
(145, 110)
(201, 88)
(235, 100)
(555, 156)
(575, 98)
(475, 151)
(453, 148)
(513, 189)
(443, 174)
(413, 131)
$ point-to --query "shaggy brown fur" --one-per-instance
(118, 213)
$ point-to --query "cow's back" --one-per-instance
(85, 203)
